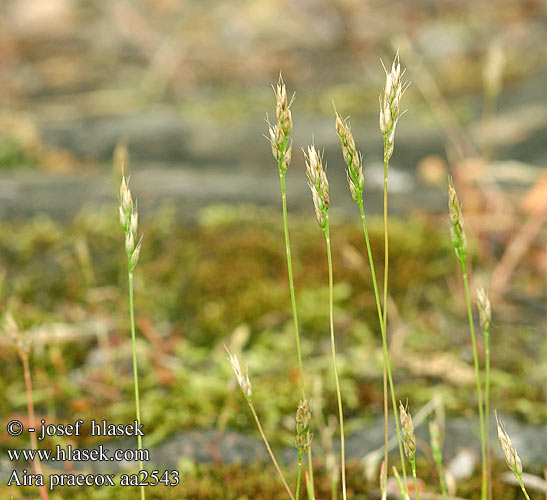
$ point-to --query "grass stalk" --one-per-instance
(388, 119)
(402, 489)
(387, 363)
(485, 320)
(413, 467)
(129, 220)
(268, 448)
(484, 474)
(298, 475)
(319, 186)
(389, 115)
(521, 484)
(135, 367)
(383, 332)
(280, 139)
(459, 242)
(291, 285)
(334, 366)
(246, 388)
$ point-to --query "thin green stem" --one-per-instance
(293, 303)
(384, 318)
(135, 369)
(402, 489)
(484, 485)
(333, 350)
(270, 452)
(413, 466)
(381, 322)
(440, 471)
(298, 474)
(521, 483)
(386, 245)
(291, 283)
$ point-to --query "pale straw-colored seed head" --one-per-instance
(409, 439)
(129, 220)
(319, 185)
(123, 219)
(135, 255)
(282, 108)
(242, 380)
(280, 131)
(353, 159)
(457, 230)
(126, 201)
(508, 448)
(485, 311)
(129, 243)
(390, 103)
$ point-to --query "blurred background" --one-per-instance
(185, 85)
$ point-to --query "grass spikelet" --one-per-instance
(457, 230)
(510, 453)
(242, 380)
(409, 441)
(390, 103)
(353, 159)
(319, 186)
(246, 388)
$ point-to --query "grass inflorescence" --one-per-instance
(309, 412)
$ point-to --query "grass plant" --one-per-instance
(129, 219)
(319, 186)
(354, 164)
(340, 474)
(459, 242)
(510, 454)
(389, 117)
(246, 387)
(281, 142)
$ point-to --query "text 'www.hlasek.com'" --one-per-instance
(72, 457)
